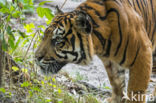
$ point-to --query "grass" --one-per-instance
(42, 89)
(80, 76)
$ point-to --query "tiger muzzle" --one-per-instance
(49, 66)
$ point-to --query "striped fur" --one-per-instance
(120, 32)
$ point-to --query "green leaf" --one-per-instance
(24, 70)
(8, 18)
(24, 42)
(29, 27)
(59, 91)
(48, 22)
(48, 100)
(11, 42)
(4, 45)
(54, 80)
(2, 90)
(41, 26)
(12, 8)
(4, 10)
(36, 89)
(9, 30)
(28, 9)
(30, 2)
(17, 43)
(16, 14)
(15, 68)
(25, 84)
(40, 11)
(30, 93)
(107, 87)
(18, 59)
(45, 12)
(48, 13)
(54, 86)
(32, 25)
(43, 2)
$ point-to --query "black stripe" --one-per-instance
(59, 55)
(62, 44)
(153, 16)
(134, 5)
(62, 30)
(153, 42)
(71, 15)
(149, 29)
(152, 8)
(138, 5)
(72, 53)
(70, 23)
(120, 72)
(135, 57)
(65, 20)
(125, 51)
(95, 25)
(118, 2)
(72, 40)
(69, 32)
(83, 55)
(96, 12)
(145, 14)
(154, 30)
(119, 26)
(101, 39)
(153, 70)
(89, 49)
(60, 23)
(108, 48)
(129, 2)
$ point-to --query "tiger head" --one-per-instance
(66, 40)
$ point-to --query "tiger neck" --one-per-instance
(101, 29)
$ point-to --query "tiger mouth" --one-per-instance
(50, 66)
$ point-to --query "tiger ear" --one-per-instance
(83, 23)
(58, 11)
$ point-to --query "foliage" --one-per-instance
(44, 11)
(26, 5)
(48, 90)
(7, 34)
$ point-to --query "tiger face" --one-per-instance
(66, 40)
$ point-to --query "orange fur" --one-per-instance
(115, 30)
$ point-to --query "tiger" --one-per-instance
(122, 33)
